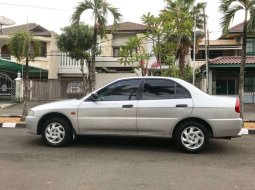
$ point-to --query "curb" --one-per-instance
(12, 125)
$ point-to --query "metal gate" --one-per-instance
(7, 88)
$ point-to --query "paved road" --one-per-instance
(95, 163)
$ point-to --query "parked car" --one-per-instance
(140, 106)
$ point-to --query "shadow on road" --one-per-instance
(134, 143)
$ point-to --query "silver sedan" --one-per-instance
(140, 106)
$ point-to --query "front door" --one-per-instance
(113, 112)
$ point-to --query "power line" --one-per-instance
(30, 6)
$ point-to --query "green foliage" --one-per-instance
(76, 40)
(229, 8)
(133, 54)
(23, 45)
(100, 9)
(174, 71)
(171, 32)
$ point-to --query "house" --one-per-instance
(224, 64)
(47, 62)
(41, 68)
(108, 65)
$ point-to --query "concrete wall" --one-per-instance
(106, 46)
(54, 58)
(104, 78)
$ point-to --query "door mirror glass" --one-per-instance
(95, 97)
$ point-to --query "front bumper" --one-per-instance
(32, 124)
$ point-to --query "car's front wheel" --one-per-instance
(57, 132)
(191, 137)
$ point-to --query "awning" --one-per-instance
(12, 67)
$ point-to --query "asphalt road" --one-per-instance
(95, 163)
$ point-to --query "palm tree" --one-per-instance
(229, 9)
(100, 9)
(195, 12)
(23, 46)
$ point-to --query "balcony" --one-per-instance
(70, 66)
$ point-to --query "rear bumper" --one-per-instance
(226, 127)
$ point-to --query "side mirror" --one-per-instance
(95, 97)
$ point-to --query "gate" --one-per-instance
(7, 88)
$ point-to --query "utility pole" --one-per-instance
(206, 53)
(194, 51)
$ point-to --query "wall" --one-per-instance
(53, 57)
(104, 78)
(106, 46)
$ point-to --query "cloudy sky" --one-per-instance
(55, 14)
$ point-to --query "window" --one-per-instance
(74, 87)
(116, 51)
(155, 89)
(225, 87)
(181, 92)
(248, 84)
(250, 46)
(43, 49)
(120, 91)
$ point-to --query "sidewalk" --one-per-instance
(15, 109)
(10, 113)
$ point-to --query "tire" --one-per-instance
(57, 132)
(191, 137)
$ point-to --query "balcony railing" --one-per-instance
(69, 65)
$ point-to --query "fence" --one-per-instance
(56, 89)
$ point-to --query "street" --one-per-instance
(114, 163)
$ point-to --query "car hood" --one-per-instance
(64, 104)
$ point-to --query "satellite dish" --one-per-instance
(5, 22)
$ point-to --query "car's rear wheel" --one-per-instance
(191, 137)
(57, 132)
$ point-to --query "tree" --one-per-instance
(23, 46)
(156, 34)
(184, 12)
(229, 8)
(100, 9)
(132, 53)
(76, 40)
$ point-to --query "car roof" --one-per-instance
(193, 89)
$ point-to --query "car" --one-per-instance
(140, 106)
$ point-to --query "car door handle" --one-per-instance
(181, 105)
(127, 106)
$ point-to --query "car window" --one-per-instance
(120, 91)
(155, 89)
(181, 92)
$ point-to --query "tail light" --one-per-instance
(237, 107)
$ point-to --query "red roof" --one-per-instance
(231, 60)
(237, 28)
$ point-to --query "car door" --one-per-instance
(162, 103)
(113, 112)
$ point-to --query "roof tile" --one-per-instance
(34, 28)
(231, 60)
(128, 26)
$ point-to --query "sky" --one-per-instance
(55, 14)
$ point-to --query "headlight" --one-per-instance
(31, 113)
